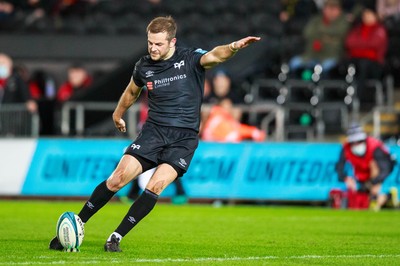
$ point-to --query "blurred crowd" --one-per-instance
(331, 34)
(39, 92)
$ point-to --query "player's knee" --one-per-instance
(156, 189)
(116, 181)
(157, 185)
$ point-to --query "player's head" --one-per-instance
(161, 39)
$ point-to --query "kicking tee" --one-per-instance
(175, 87)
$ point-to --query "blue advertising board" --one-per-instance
(71, 167)
(273, 171)
(252, 171)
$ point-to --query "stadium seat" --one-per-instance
(372, 94)
(268, 90)
(336, 101)
(266, 24)
(300, 122)
(300, 91)
(291, 45)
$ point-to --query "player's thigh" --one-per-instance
(164, 175)
(127, 169)
(179, 154)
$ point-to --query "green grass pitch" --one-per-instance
(205, 235)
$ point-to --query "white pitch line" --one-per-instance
(221, 259)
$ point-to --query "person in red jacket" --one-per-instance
(371, 163)
(78, 80)
(366, 45)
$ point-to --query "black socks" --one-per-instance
(139, 209)
(100, 196)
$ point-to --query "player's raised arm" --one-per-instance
(128, 97)
(223, 52)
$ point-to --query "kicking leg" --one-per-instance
(128, 168)
(162, 177)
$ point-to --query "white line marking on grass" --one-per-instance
(221, 259)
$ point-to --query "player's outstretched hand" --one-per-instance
(242, 43)
(120, 124)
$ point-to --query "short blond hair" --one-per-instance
(163, 24)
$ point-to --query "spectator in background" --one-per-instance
(221, 85)
(13, 90)
(324, 37)
(43, 89)
(7, 14)
(36, 10)
(353, 8)
(218, 86)
(319, 4)
(366, 45)
(74, 7)
(388, 8)
(371, 163)
(78, 81)
(222, 126)
(42, 85)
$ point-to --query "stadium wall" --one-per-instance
(243, 171)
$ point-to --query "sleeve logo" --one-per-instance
(200, 51)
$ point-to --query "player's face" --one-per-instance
(159, 47)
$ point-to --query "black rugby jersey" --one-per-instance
(178, 85)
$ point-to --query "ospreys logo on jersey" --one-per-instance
(180, 64)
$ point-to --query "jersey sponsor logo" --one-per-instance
(179, 65)
(134, 146)
(167, 81)
(149, 73)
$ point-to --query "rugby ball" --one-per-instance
(70, 231)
